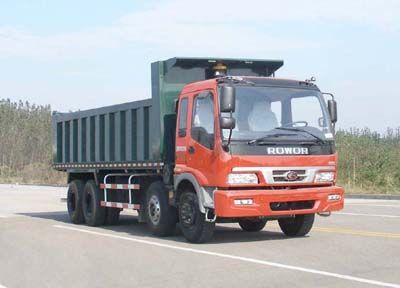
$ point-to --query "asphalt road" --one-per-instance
(359, 247)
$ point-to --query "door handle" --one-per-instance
(191, 150)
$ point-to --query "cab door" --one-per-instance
(200, 151)
(182, 133)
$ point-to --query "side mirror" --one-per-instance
(227, 123)
(227, 99)
(176, 105)
(332, 109)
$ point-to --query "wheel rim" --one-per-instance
(154, 209)
(188, 212)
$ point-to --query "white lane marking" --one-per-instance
(239, 258)
(372, 205)
(369, 215)
(1, 286)
(11, 215)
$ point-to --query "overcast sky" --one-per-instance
(84, 54)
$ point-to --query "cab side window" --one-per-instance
(203, 120)
(183, 117)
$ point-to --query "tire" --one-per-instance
(112, 214)
(93, 213)
(192, 221)
(252, 225)
(160, 216)
(297, 226)
(74, 201)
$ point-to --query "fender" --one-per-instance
(204, 194)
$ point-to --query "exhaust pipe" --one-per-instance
(324, 214)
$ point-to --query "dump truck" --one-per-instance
(220, 141)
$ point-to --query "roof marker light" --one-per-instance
(220, 70)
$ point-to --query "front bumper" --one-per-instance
(225, 206)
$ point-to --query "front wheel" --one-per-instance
(193, 224)
(252, 225)
(297, 226)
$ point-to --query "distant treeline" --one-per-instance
(368, 161)
(25, 143)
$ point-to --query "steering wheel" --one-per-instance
(291, 124)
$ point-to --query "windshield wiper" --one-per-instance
(268, 137)
(319, 139)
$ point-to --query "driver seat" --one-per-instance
(261, 118)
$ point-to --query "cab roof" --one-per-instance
(280, 82)
(251, 81)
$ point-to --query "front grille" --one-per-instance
(293, 205)
(279, 175)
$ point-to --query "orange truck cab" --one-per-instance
(255, 149)
(221, 140)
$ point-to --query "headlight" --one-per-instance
(244, 178)
(324, 177)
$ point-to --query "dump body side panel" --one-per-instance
(112, 135)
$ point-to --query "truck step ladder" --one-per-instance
(112, 186)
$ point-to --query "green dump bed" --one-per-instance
(138, 134)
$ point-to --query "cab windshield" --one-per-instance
(263, 111)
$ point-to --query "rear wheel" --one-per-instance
(252, 225)
(297, 226)
(160, 216)
(192, 221)
(93, 213)
(74, 201)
